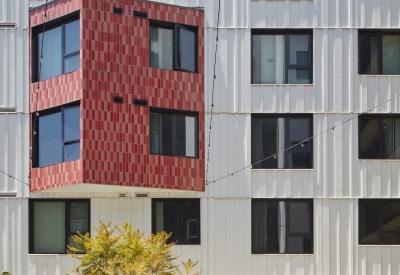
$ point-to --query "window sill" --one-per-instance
(311, 84)
(385, 75)
(285, 254)
(388, 160)
(379, 245)
(266, 169)
(48, 254)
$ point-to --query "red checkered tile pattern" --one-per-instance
(115, 62)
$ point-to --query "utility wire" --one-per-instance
(301, 142)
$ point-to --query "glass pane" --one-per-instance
(187, 49)
(299, 217)
(299, 245)
(161, 44)
(369, 223)
(369, 138)
(190, 125)
(52, 53)
(391, 54)
(391, 138)
(72, 37)
(299, 160)
(71, 63)
(155, 136)
(391, 223)
(268, 60)
(72, 151)
(71, 123)
(79, 217)
(165, 219)
(50, 139)
(368, 54)
(298, 49)
(166, 130)
(188, 223)
(180, 136)
(299, 76)
(299, 131)
(49, 227)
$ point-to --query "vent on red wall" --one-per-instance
(140, 14)
(118, 99)
(117, 10)
(140, 102)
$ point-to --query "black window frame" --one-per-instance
(58, 109)
(176, 210)
(68, 202)
(295, 149)
(288, 66)
(61, 21)
(175, 37)
(176, 113)
(380, 117)
(379, 33)
(380, 202)
(287, 222)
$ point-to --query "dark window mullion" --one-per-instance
(63, 47)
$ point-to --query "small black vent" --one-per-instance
(118, 99)
(117, 10)
(140, 14)
(141, 195)
(140, 102)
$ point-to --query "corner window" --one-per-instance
(173, 133)
(58, 136)
(379, 222)
(272, 134)
(60, 49)
(52, 222)
(281, 57)
(181, 217)
(379, 137)
(281, 226)
(173, 47)
(379, 52)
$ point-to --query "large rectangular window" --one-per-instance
(379, 137)
(272, 134)
(61, 48)
(173, 46)
(52, 222)
(281, 226)
(379, 222)
(173, 133)
(181, 217)
(379, 52)
(281, 57)
(58, 136)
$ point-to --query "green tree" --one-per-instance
(123, 250)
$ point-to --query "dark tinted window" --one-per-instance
(186, 54)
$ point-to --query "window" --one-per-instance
(58, 136)
(379, 137)
(281, 226)
(281, 57)
(179, 216)
(173, 47)
(379, 52)
(60, 49)
(379, 222)
(272, 134)
(52, 222)
(173, 133)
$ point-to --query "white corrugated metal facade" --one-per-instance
(336, 181)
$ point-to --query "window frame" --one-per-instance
(176, 213)
(288, 66)
(58, 109)
(36, 30)
(381, 203)
(31, 241)
(375, 32)
(175, 37)
(287, 223)
(176, 113)
(294, 116)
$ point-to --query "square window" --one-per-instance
(379, 52)
(181, 217)
(281, 57)
(281, 226)
(379, 222)
(61, 48)
(58, 136)
(379, 137)
(52, 222)
(281, 136)
(173, 46)
(173, 133)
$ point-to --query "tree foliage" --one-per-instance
(123, 250)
